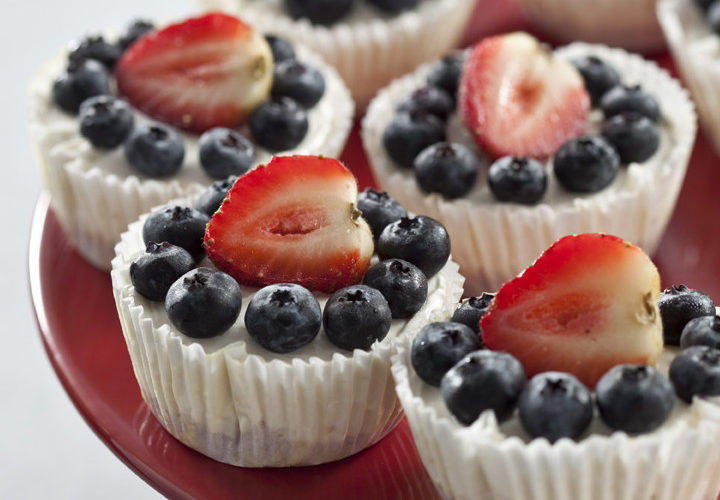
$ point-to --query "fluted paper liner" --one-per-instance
(494, 241)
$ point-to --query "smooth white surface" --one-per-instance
(46, 449)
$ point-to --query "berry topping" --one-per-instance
(446, 168)
(355, 317)
(713, 17)
(210, 200)
(421, 240)
(704, 4)
(431, 100)
(394, 6)
(599, 76)
(483, 380)
(519, 180)
(203, 303)
(283, 317)
(704, 330)
(155, 150)
(319, 11)
(153, 271)
(205, 72)
(629, 99)
(588, 303)
(279, 124)
(79, 82)
(409, 133)
(470, 311)
(403, 285)
(586, 165)
(95, 47)
(696, 372)
(298, 81)
(281, 49)
(134, 31)
(634, 398)
(105, 121)
(224, 152)
(678, 305)
(379, 209)
(518, 100)
(635, 137)
(438, 347)
(181, 226)
(292, 221)
(445, 73)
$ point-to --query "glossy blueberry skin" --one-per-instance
(279, 124)
(634, 137)
(79, 82)
(409, 133)
(445, 73)
(224, 152)
(210, 200)
(704, 330)
(283, 317)
(713, 17)
(438, 347)
(96, 48)
(134, 31)
(696, 372)
(105, 121)
(203, 303)
(281, 49)
(629, 99)
(394, 6)
(403, 285)
(446, 168)
(555, 405)
(421, 240)
(678, 305)
(181, 226)
(598, 75)
(301, 82)
(155, 150)
(355, 317)
(586, 164)
(429, 99)
(518, 180)
(379, 209)
(634, 398)
(471, 310)
(324, 12)
(483, 380)
(153, 271)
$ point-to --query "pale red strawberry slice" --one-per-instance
(517, 99)
(205, 72)
(294, 220)
(588, 303)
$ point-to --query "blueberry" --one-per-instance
(210, 200)
(483, 380)
(153, 271)
(635, 137)
(379, 210)
(203, 303)
(96, 48)
(155, 150)
(279, 124)
(445, 73)
(431, 100)
(394, 6)
(298, 81)
(181, 226)
(519, 180)
(355, 317)
(704, 330)
(704, 4)
(134, 31)
(319, 11)
(421, 240)
(470, 312)
(77, 83)
(696, 372)
(409, 133)
(554, 405)
(402, 284)
(634, 398)
(105, 121)
(678, 305)
(225, 152)
(446, 168)
(629, 99)
(713, 17)
(586, 164)
(281, 49)
(599, 76)
(438, 347)
(283, 317)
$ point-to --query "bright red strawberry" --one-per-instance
(292, 221)
(516, 99)
(205, 72)
(588, 303)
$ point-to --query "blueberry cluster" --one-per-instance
(327, 12)
(711, 11)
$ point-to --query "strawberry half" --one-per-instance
(516, 99)
(205, 72)
(294, 220)
(588, 303)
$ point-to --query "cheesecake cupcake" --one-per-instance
(512, 147)
(121, 124)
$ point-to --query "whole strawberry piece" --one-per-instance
(588, 303)
(516, 99)
(205, 72)
(293, 220)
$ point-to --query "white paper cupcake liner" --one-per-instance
(372, 49)
(95, 194)
(232, 401)
(495, 241)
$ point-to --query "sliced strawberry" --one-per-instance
(292, 221)
(205, 72)
(587, 304)
(516, 99)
